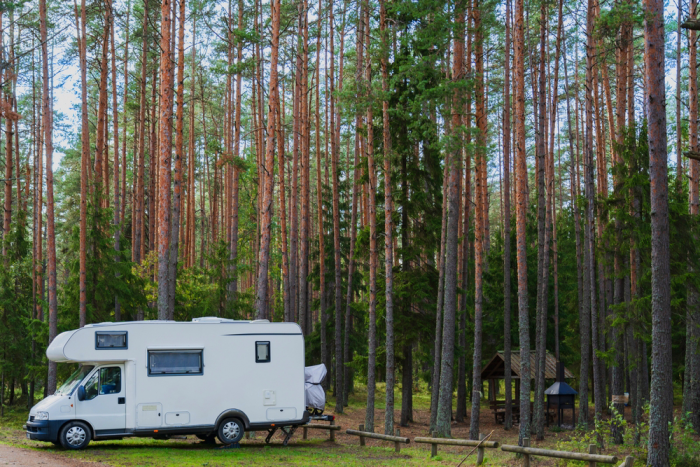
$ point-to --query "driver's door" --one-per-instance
(104, 406)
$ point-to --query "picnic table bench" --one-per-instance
(498, 407)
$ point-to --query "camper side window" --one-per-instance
(262, 352)
(175, 362)
(111, 340)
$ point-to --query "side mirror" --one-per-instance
(81, 393)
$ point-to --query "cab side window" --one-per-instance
(91, 387)
(110, 380)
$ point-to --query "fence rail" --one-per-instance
(332, 428)
(591, 457)
(397, 440)
(480, 445)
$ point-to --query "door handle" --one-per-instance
(121, 400)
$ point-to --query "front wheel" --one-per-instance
(230, 431)
(75, 435)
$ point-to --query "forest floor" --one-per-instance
(16, 450)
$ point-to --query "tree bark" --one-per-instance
(661, 377)
(521, 213)
(272, 118)
(164, 162)
(508, 417)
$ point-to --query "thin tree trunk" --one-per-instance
(335, 139)
(84, 167)
(521, 213)
(47, 116)
(267, 203)
(508, 417)
(164, 162)
(115, 123)
(388, 231)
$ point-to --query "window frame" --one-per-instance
(269, 355)
(100, 385)
(102, 333)
(194, 351)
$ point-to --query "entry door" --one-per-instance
(104, 406)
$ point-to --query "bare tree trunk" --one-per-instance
(373, 259)
(508, 417)
(521, 213)
(335, 139)
(479, 216)
(115, 123)
(84, 168)
(305, 191)
(47, 116)
(388, 231)
(272, 118)
(661, 378)
(444, 411)
(164, 162)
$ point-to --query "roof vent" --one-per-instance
(211, 319)
(259, 321)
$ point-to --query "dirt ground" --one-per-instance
(10, 455)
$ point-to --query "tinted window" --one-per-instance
(110, 340)
(262, 352)
(110, 380)
(175, 362)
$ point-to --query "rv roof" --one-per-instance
(205, 319)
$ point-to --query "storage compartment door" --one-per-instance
(282, 413)
(149, 415)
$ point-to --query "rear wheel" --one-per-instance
(230, 431)
(75, 435)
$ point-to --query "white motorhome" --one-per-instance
(209, 377)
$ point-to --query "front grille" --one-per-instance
(31, 418)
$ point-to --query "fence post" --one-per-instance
(433, 446)
(592, 449)
(526, 457)
(362, 438)
(305, 429)
(629, 461)
(333, 431)
(480, 451)
(397, 445)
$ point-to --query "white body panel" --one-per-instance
(266, 392)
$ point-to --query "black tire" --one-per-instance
(230, 431)
(75, 435)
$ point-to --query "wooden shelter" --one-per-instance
(495, 370)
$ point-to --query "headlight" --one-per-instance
(41, 416)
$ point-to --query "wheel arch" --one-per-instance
(233, 413)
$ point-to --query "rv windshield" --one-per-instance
(75, 379)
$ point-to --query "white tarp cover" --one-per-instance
(315, 395)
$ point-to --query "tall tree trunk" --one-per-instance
(272, 118)
(661, 377)
(521, 214)
(164, 162)
(115, 123)
(47, 116)
(388, 230)
(335, 139)
(84, 167)
(305, 191)
(373, 259)
(444, 412)
(233, 249)
(480, 214)
(179, 156)
(139, 201)
(692, 315)
(508, 417)
(543, 240)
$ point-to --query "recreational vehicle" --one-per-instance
(210, 377)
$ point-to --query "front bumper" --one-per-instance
(43, 430)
